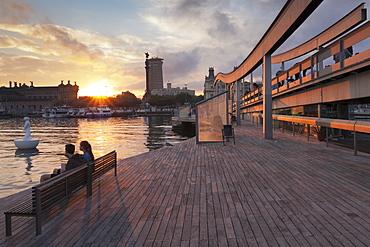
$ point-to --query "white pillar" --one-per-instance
(267, 97)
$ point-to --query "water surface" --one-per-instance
(21, 169)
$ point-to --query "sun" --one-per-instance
(98, 89)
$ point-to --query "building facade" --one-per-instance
(155, 73)
(22, 96)
(172, 91)
(209, 90)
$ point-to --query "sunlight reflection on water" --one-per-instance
(21, 169)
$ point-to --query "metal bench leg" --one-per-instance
(8, 224)
(38, 225)
(115, 164)
(38, 212)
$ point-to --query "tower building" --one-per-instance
(154, 74)
(209, 90)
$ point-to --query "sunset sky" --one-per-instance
(101, 44)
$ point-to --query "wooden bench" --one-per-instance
(51, 192)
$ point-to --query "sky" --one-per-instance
(100, 44)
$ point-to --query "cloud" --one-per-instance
(191, 36)
(191, 8)
(52, 40)
(222, 25)
(14, 12)
(180, 64)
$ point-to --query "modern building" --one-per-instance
(172, 91)
(22, 96)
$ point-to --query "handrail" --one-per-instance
(351, 125)
(357, 35)
(292, 15)
(351, 20)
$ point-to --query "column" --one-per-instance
(238, 88)
(267, 97)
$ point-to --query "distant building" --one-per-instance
(172, 91)
(36, 98)
(209, 90)
(154, 74)
(220, 87)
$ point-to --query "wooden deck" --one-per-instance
(280, 192)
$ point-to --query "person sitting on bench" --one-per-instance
(85, 147)
(74, 160)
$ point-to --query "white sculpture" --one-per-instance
(27, 128)
(26, 142)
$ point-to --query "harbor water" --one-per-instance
(21, 169)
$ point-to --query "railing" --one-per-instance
(313, 67)
(292, 15)
(350, 125)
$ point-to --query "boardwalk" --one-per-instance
(281, 192)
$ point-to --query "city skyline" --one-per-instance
(101, 44)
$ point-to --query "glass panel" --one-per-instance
(185, 112)
(211, 116)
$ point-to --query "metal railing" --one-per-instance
(350, 125)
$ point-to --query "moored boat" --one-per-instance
(81, 113)
(99, 112)
(55, 112)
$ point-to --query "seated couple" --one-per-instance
(74, 160)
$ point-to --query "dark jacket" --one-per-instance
(75, 161)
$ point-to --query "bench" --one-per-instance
(46, 195)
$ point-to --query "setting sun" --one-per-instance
(100, 88)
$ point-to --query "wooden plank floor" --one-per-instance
(280, 192)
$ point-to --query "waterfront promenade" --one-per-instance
(281, 192)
